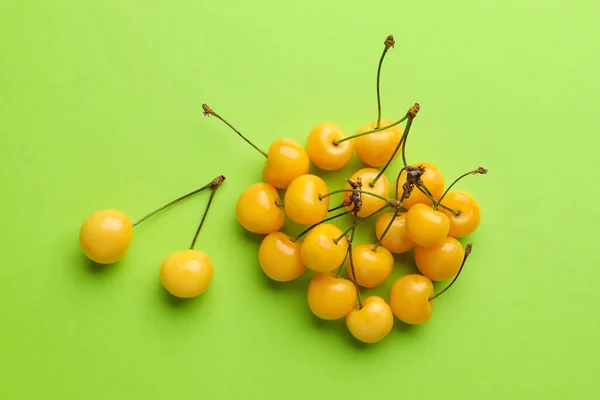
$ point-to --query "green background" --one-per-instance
(100, 108)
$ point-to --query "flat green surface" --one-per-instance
(100, 107)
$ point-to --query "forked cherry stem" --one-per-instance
(467, 252)
(217, 181)
(383, 128)
(387, 228)
(389, 43)
(337, 274)
(322, 196)
(358, 222)
(354, 275)
(209, 111)
(210, 199)
(479, 170)
(400, 142)
(423, 189)
(304, 232)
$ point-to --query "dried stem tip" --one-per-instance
(468, 249)
(395, 204)
(217, 181)
(207, 109)
(414, 110)
(480, 170)
(389, 42)
(349, 240)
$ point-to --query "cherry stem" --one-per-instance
(177, 200)
(427, 193)
(467, 252)
(387, 164)
(357, 222)
(387, 228)
(210, 199)
(304, 232)
(337, 274)
(389, 42)
(337, 142)
(396, 185)
(354, 275)
(479, 170)
(209, 111)
(322, 196)
(404, 139)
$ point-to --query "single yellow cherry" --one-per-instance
(396, 239)
(322, 150)
(440, 261)
(470, 214)
(105, 236)
(280, 257)
(432, 179)
(372, 322)
(370, 204)
(286, 161)
(302, 202)
(257, 210)
(376, 148)
(409, 299)
(426, 226)
(320, 252)
(186, 273)
(371, 268)
(330, 297)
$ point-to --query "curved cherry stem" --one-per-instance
(423, 189)
(405, 138)
(322, 196)
(358, 222)
(389, 43)
(177, 200)
(467, 252)
(389, 161)
(387, 228)
(479, 170)
(209, 111)
(337, 274)
(336, 142)
(210, 199)
(396, 186)
(304, 232)
(354, 276)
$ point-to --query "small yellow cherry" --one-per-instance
(105, 236)
(376, 148)
(257, 210)
(322, 150)
(280, 257)
(396, 239)
(302, 202)
(286, 161)
(186, 273)
(370, 203)
(330, 297)
(371, 268)
(372, 322)
(320, 252)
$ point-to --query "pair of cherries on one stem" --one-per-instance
(105, 237)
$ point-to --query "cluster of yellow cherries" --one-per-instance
(422, 216)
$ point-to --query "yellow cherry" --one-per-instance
(257, 210)
(409, 299)
(280, 257)
(186, 273)
(440, 261)
(376, 148)
(372, 322)
(320, 252)
(470, 214)
(426, 226)
(330, 297)
(396, 239)
(302, 202)
(286, 161)
(322, 150)
(105, 236)
(370, 204)
(432, 179)
(371, 268)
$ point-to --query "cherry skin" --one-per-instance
(409, 299)
(433, 180)
(396, 239)
(302, 203)
(372, 322)
(319, 251)
(105, 236)
(426, 226)
(186, 273)
(286, 161)
(470, 214)
(440, 261)
(257, 211)
(370, 203)
(372, 268)
(330, 297)
(280, 257)
(375, 149)
(322, 150)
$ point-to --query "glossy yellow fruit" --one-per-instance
(371, 268)
(257, 211)
(280, 257)
(370, 203)
(372, 322)
(319, 251)
(302, 202)
(376, 148)
(186, 273)
(105, 236)
(426, 226)
(409, 299)
(470, 214)
(330, 297)
(286, 161)
(322, 150)
(440, 261)
(433, 180)
(396, 239)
